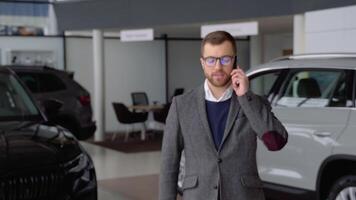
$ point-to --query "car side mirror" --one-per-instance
(51, 107)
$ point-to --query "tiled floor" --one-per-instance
(125, 176)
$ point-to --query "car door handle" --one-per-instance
(322, 134)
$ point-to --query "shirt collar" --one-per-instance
(210, 97)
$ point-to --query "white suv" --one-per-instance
(314, 97)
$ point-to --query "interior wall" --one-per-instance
(184, 66)
(255, 50)
(331, 30)
(79, 57)
(129, 67)
(140, 66)
(13, 43)
(185, 70)
(274, 44)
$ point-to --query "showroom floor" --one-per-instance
(125, 176)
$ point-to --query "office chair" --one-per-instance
(139, 98)
(178, 91)
(161, 114)
(125, 116)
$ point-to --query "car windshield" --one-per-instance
(15, 103)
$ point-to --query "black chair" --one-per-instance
(139, 98)
(161, 115)
(125, 116)
(178, 91)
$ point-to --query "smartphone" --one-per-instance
(235, 63)
(235, 66)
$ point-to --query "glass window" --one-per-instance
(315, 88)
(50, 83)
(30, 81)
(14, 101)
(262, 84)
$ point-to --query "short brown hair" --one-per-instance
(216, 38)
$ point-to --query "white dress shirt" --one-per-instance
(210, 97)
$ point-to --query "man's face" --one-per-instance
(218, 75)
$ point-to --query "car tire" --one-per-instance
(343, 188)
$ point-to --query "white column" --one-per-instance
(99, 89)
(299, 34)
(52, 27)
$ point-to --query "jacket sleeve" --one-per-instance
(170, 157)
(267, 127)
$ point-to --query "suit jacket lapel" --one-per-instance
(231, 118)
(203, 115)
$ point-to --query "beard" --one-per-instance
(222, 81)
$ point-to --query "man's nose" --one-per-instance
(218, 64)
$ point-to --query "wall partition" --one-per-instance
(156, 67)
(129, 67)
(185, 70)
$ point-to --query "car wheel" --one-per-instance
(343, 189)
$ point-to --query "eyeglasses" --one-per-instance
(210, 61)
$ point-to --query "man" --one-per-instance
(217, 125)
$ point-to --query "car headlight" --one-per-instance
(81, 173)
(78, 164)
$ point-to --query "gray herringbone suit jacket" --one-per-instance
(232, 168)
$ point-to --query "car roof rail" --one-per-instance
(315, 55)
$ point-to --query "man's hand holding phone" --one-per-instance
(240, 82)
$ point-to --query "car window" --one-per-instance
(14, 101)
(50, 83)
(315, 88)
(262, 83)
(30, 80)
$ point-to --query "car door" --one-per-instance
(311, 103)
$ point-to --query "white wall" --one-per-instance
(79, 56)
(140, 66)
(184, 65)
(129, 67)
(55, 44)
(243, 54)
(274, 44)
(331, 30)
(255, 50)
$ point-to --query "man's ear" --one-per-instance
(202, 63)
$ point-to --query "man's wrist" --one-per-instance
(248, 95)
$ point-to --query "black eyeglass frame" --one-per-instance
(233, 59)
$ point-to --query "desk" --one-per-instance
(149, 109)
(146, 108)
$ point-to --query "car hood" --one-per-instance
(36, 145)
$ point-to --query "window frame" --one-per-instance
(272, 93)
(348, 75)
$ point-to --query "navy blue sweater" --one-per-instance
(217, 116)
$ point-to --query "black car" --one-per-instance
(38, 160)
(47, 83)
